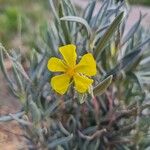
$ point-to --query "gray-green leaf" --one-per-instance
(101, 87)
(79, 20)
(108, 34)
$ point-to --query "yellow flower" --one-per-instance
(79, 73)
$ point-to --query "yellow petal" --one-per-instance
(60, 83)
(56, 65)
(69, 54)
(87, 65)
(82, 83)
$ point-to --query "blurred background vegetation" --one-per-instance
(142, 2)
(20, 20)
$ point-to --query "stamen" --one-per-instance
(71, 72)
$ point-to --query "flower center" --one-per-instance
(71, 72)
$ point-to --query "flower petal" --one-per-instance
(87, 65)
(82, 83)
(69, 54)
(60, 83)
(56, 65)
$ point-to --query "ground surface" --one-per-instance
(10, 138)
(9, 132)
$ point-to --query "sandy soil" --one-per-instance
(10, 132)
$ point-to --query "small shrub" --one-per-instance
(114, 113)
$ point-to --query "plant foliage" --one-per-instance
(116, 114)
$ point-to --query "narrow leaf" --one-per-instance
(35, 112)
(132, 31)
(89, 11)
(3, 66)
(60, 148)
(139, 46)
(129, 59)
(124, 62)
(52, 108)
(70, 7)
(53, 9)
(101, 14)
(78, 20)
(18, 79)
(101, 87)
(107, 35)
(60, 141)
(64, 25)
